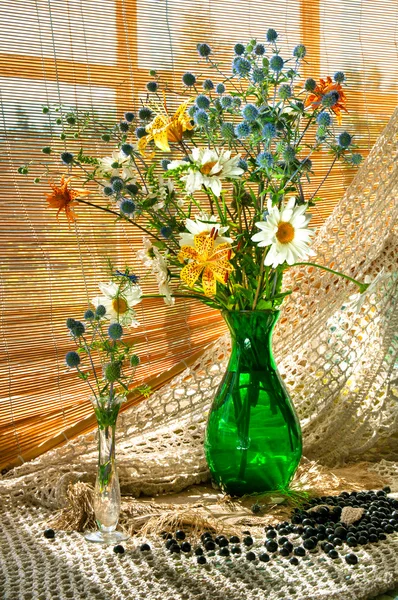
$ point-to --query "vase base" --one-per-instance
(112, 537)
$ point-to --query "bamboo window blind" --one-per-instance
(97, 56)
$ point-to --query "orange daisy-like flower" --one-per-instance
(325, 86)
(212, 263)
(63, 196)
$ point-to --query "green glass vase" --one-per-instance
(253, 438)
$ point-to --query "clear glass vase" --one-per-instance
(253, 438)
(107, 489)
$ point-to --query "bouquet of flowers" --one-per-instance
(215, 176)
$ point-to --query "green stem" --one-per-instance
(362, 286)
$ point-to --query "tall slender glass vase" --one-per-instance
(107, 488)
(253, 438)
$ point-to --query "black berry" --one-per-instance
(118, 549)
(49, 534)
(198, 551)
(180, 535)
(299, 551)
(264, 557)
(210, 545)
(201, 560)
(333, 553)
(145, 547)
(223, 552)
(351, 559)
(294, 561)
(250, 556)
(186, 547)
(248, 540)
(271, 546)
(175, 549)
(234, 539)
(236, 550)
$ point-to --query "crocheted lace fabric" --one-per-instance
(341, 368)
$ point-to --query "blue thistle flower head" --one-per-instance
(67, 158)
(192, 110)
(285, 91)
(127, 206)
(300, 51)
(140, 132)
(204, 50)
(242, 130)
(324, 119)
(152, 86)
(208, 85)
(276, 63)
(289, 154)
(242, 67)
(330, 99)
(271, 35)
(237, 102)
(250, 112)
(344, 139)
(258, 75)
(108, 191)
(166, 231)
(201, 118)
(242, 164)
(265, 160)
(188, 79)
(117, 184)
(129, 117)
(70, 323)
(89, 315)
(269, 131)
(227, 131)
(72, 359)
(100, 311)
(220, 88)
(226, 102)
(115, 331)
(356, 159)
(145, 113)
(132, 188)
(239, 49)
(202, 101)
(259, 49)
(78, 329)
(339, 77)
(127, 149)
(123, 126)
(165, 163)
(310, 84)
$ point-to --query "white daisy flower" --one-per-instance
(117, 165)
(286, 232)
(357, 300)
(208, 168)
(119, 302)
(153, 259)
(203, 222)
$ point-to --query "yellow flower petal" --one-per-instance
(191, 273)
(209, 282)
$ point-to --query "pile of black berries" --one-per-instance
(310, 530)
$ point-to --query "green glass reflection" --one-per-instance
(253, 437)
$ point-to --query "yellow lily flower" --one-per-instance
(165, 128)
(212, 263)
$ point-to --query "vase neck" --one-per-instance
(251, 336)
(106, 443)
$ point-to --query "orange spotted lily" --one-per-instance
(206, 260)
(314, 99)
(63, 198)
(166, 128)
